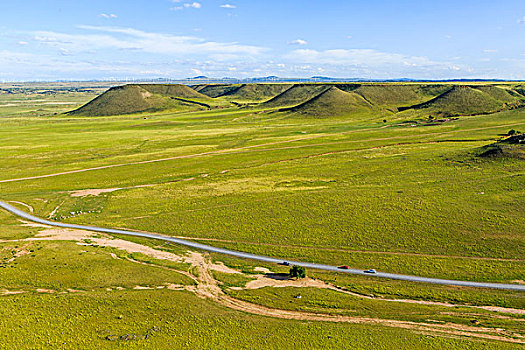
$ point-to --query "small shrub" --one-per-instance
(298, 271)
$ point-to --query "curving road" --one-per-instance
(22, 214)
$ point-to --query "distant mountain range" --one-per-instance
(201, 79)
(274, 79)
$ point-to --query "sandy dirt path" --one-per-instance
(208, 288)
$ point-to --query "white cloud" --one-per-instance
(195, 5)
(49, 66)
(521, 20)
(108, 16)
(97, 52)
(228, 6)
(490, 51)
(367, 57)
(298, 42)
(368, 62)
(132, 39)
(18, 66)
(12, 57)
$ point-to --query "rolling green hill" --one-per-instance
(215, 90)
(255, 92)
(399, 95)
(462, 100)
(129, 99)
(332, 102)
(295, 95)
(520, 89)
(501, 94)
(404, 101)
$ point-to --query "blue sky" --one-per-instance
(94, 39)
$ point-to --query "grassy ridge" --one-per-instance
(255, 92)
(215, 90)
(333, 102)
(297, 94)
(463, 101)
(418, 99)
(141, 98)
(502, 93)
(399, 95)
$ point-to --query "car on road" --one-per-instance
(344, 267)
(370, 271)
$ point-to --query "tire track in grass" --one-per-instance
(207, 287)
(247, 148)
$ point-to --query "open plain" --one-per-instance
(423, 179)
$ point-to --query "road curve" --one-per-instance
(24, 215)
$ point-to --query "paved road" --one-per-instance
(209, 248)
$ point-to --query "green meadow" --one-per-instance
(358, 175)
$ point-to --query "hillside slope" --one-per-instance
(403, 101)
(511, 147)
(332, 102)
(175, 90)
(256, 92)
(215, 90)
(461, 100)
(501, 94)
(134, 98)
(297, 94)
(393, 96)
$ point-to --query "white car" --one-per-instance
(370, 271)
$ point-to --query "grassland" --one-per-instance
(178, 320)
(347, 188)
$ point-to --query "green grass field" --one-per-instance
(342, 188)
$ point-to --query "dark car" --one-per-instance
(344, 267)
